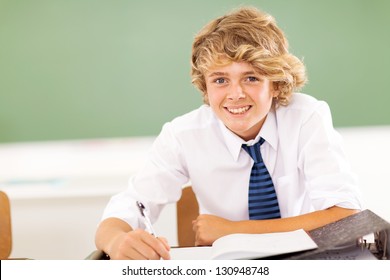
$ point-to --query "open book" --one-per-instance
(248, 246)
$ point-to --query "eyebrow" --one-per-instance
(213, 74)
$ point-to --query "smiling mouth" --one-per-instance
(238, 111)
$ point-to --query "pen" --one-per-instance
(148, 224)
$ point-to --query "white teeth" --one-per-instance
(238, 110)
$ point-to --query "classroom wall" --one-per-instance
(93, 68)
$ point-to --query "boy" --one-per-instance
(259, 157)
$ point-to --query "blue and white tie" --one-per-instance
(262, 199)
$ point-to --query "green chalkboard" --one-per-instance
(92, 68)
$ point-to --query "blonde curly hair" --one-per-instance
(252, 36)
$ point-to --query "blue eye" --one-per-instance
(219, 81)
(252, 79)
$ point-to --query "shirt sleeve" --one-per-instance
(157, 183)
(328, 177)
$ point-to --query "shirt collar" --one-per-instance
(268, 132)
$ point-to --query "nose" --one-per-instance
(236, 92)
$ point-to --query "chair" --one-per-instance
(187, 209)
(5, 227)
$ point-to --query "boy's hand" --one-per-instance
(209, 228)
(139, 245)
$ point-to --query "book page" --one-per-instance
(248, 246)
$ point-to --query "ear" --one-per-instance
(206, 98)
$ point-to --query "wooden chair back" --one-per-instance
(5, 227)
(187, 211)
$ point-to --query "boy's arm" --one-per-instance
(208, 228)
(117, 239)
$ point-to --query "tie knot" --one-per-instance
(254, 151)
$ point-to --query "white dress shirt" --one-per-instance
(303, 153)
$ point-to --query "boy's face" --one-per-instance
(240, 97)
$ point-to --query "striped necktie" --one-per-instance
(262, 200)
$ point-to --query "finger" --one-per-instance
(163, 248)
(146, 248)
(196, 239)
(158, 246)
(165, 242)
(138, 245)
(194, 225)
(134, 254)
